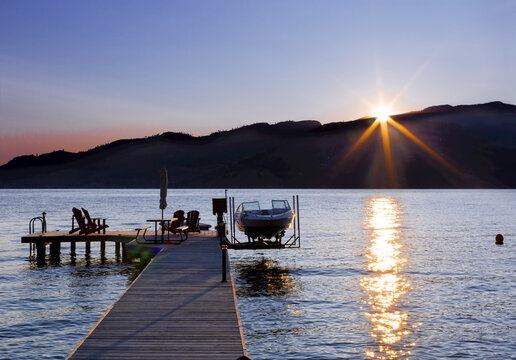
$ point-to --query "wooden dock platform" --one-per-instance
(177, 308)
(64, 236)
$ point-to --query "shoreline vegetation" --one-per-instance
(473, 146)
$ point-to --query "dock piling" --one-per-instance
(224, 262)
(40, 253)
(56, 239)
(124, 252)
(103, 250)
(55, 249)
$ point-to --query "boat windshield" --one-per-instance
(250, 206)
(280, 204)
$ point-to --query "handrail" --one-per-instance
(43, 221)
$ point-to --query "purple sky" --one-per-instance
(75, 74)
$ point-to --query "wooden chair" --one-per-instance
(192, 221)
(84, 228)
(180, 216)
(91, 224)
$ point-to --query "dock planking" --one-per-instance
(64, 236)
(177, 308)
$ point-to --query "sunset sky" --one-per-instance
(76, 74)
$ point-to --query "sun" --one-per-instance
(382, 113)
(383, 120)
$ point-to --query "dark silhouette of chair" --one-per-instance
(85, 224)
(180, 216)
(91, 224)
(83, 227)
(81, 223)
(192, 221)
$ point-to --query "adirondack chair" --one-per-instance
(192, 221)
(91, 224)
(83, 227)
(81, 223)
(180, 216)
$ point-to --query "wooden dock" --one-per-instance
(64, 236)
(177, 308)
(39, 241)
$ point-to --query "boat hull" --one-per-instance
(264, 226)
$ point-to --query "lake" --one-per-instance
(380, 274)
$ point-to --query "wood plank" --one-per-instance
(177, 308)
(112, 235)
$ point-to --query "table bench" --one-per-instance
(182, 230)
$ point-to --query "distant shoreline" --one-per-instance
(441, 147)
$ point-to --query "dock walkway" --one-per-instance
(177, 308)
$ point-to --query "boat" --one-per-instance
(262, 224)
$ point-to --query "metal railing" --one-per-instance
(43, 221)
(32, 226)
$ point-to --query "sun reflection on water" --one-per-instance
(385, 286)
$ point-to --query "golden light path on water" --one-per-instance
(386, 285)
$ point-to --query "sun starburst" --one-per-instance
(382, 115)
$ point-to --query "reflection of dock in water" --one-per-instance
(385, 286)
(263, 277)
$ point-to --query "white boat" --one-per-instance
(262, 224)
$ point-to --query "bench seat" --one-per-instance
(182, 230)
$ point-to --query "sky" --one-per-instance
(76, 74)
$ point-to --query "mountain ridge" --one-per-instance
(479, 139)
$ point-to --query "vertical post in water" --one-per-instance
(55, 249)
(40, 256)
(117, 249)
(295, 214)
(88, 247)
(124, 252)
(230, 220)
(102, 249)
(72, 248)
(233, 222)
(224, 262)
(298, 226)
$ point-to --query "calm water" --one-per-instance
(380, 274)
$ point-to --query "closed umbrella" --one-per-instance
(163, 190)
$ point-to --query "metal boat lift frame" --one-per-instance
(294, 241)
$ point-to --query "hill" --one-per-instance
(477, 141)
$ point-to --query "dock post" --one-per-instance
(88, 248)
(55, 249)
(224, 262)
(124, 252)
(72, 248)
(40, 256)
(117, 249)
(102, 249)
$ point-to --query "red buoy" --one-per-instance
(499, 239)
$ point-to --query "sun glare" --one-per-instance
(382, 113)
(383, 120)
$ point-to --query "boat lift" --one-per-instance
(220, 207)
